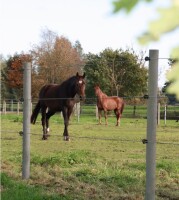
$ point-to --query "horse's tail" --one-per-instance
(35, 113)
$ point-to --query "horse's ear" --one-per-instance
(77, 74)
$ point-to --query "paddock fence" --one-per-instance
(137, 111)
(165, 111)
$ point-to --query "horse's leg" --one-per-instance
(48, 115)
(105, 116)
(99, 116)
(66, 123)
(44, 137)
(118, 115)
(69, 112)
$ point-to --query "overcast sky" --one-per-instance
(89, 21)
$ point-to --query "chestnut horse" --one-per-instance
(108, 103)
(55, 98)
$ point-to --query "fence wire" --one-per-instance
(142, 141)
(93, 114)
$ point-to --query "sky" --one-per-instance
(89, 21)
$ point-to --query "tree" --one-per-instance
(42, 55)
(171, 97)
(4, 89)
(79, 49)
(94, 72)
(14, 73)
(55, 59)
(118, 73)
(166, 23)
(67, 57)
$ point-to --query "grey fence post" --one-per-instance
(151, 125)
(26, 120)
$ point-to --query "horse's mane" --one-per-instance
(104, 94)
(69, 80)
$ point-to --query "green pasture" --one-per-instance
(99, 162)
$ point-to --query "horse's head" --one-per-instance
(80, 86)
(97, 90)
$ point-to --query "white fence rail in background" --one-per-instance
(165, 112)
(12, 106)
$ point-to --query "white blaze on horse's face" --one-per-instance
(81, 89)
(80, 85)
(80, 82)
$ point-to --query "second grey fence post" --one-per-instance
(151, 125)
(26, 120)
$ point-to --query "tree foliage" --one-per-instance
(117, 72)
(4, 88)
(55, 59)
(166, 22)
(13, 73)
(126, 5)
(171, 96)
(173, 77)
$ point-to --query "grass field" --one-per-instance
(100, 162)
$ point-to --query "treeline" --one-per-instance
(53, 60)
(118, 72)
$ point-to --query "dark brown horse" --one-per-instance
(108, 103)
(55, 98)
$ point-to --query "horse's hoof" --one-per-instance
(66, 138)
(44, 138)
